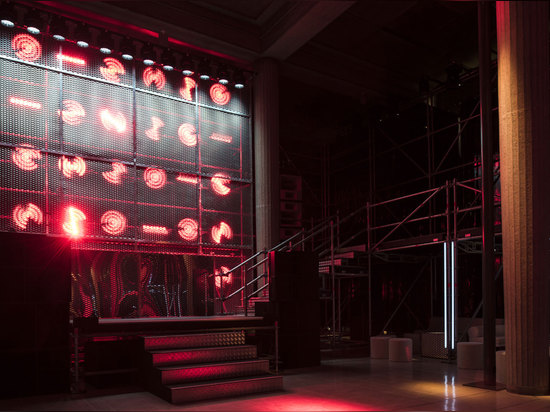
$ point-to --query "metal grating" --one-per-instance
(194, 340)
(203, 355)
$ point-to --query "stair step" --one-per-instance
(220, 389)
(193, 340)
(222, 370)
(201, 355)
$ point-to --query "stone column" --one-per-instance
(524, 111)
(266, 153)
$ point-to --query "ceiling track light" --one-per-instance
(58, 29)
(127, 49)
(148, 54)
(33, 21)
(7, 16)
(204, 70)
(223, 76)
(168, 59)
(187, 65)
(105, 42)
(82, 35)
(239, 79)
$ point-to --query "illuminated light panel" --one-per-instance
(445, 319)
(25, 103)
(71, 59)
(153, 132)
(188, 134)
(221, 137)
(183, 177)
(26, 47)
(152, 75)
(219, 94)
(22, 214)
(70, 168)
(25, 157)
(113, 222)
(113, 122)
(112, 70)
(186, 90)
(154, 178)
(221, 277)
(115, 176)
(188, 229)
(219, 183)
(154, 230)
(73, 222)
(72, 113)
(223, 230)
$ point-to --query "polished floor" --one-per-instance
(361, 384)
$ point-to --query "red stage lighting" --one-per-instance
(17, 101)
(113, 222)
(22, 214)
(219, 94)
(73, 222)
(25, 157)
(76, 166)
(188, 134)
(71, 59)
(183, 177)
(219, 183)
(115, 176)
(72, 112)
(221, 137)
(222, 230)
(155, 230)
(154, 178)
(116, 122)
(152, 75)
(220, 276)
(153, 132)
(186, 90)
(26, 47)
(112, 70)
(188, 229)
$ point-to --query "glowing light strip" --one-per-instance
(157, 230)
(25, 103)
(452, 295)
(70, 59)
(445, 320)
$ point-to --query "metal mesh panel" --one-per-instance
(155, 79)
(227, 98)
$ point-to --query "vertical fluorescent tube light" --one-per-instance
(445, 320)
(453, 295)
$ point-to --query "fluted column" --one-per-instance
(266, 152)
(524, 110)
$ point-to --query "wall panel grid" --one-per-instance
(120, 155)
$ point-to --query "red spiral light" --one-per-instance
(186, 89)
(222, 230)
(113, 122)
(219, 94)
(219, 183)
(188, 134)
(22, 214)
(25, 157)
(154, 178)
(153, 75)
(26, 47)
(183, 177)
(188, 229)
(225, 138)
(153, 132)
(113, 222)
(112, 70)
(115, 176)
(221, 276)
(70, 168)
(73, 225)
(72, 112)
(154, 230)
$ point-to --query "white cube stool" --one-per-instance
(469, 355)
(400, 349)
(500, 362)
(379, 347)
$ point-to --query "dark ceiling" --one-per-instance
(374, 51)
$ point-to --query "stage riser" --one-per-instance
(193, 341)
(203, 355)
(178, 394)
(169, 376)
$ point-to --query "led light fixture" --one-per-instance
(148, 54)
(34, 22)
(105, 42)
(204, 70)
(127, 49)
(188, 68)
(58, 29)
(82, 36)
(168, 60)
(223, 77)
(7, 16)
(239, 80)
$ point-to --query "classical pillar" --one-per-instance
(266, 152)
(524, 111)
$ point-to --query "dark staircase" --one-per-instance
(194, 367)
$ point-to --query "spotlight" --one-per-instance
(33, 21)
(105, 42)
(168, 60)
(188, 68)
(223, 77)
(204, 70)
(239, 80)
(82, 35)
(148, 54)
(58, 29)
(7, 16)
(127, 49)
